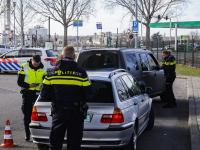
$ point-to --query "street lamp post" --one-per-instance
(14, 4)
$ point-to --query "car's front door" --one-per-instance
(159, 77)
(148, 75)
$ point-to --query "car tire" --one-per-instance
(163, 97)
(132, 145)
(43, 147)
(151, 120)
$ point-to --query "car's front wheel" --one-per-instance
(43, 147)
(132, 145)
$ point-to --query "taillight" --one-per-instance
(116, 117)
(38, 116)
(51, 59)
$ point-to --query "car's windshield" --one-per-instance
(98, 60)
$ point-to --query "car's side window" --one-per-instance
(133, 89)
(129, 85)
(12, 54)
(29, 53)
(121, 90)
(131, 62)
(136, 87)
(144, 62)
(153, 61)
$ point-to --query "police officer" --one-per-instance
(169, 69)
(30, 78)
(69, 87)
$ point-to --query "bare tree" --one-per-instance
(28, 15)
(64, 11)
(194, 35)
(149, 7)
(2, 7)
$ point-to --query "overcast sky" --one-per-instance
(113, 20)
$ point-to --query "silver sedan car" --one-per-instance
(118, 113)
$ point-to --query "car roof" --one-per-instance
(117, 49)
(104, 75)
(42, 49)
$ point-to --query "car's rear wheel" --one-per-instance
(151, 120)
(132, 145)
(163, 97)
(43, 147)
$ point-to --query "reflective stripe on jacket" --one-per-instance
(32, 75)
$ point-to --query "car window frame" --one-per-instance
(155, 60)
(4, 56)
(139, 57)
(20, 56)
(124, 53)
(135, 96)
(124, 88)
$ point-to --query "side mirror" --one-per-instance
(148, 90)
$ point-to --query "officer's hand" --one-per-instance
(33, 85)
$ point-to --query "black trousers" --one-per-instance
(169, 91)
(62, 120)
(28, 101)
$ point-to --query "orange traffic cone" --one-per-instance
(8, 140)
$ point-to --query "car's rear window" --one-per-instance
(103, 92)
(94, 60)
(50, 53)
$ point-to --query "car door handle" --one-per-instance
(135, 103)
(142, 100)
(144, 75)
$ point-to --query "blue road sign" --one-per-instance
(79, 22)
(135, 25)
(4, 34)
(99, 26)
(77, 37)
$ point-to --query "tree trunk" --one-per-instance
(147, 36)
(65, 36)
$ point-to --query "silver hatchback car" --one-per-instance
(118, 113)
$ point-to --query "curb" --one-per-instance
(192, 122)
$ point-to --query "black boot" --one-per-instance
(174, 102)
(27, 137)
(168, 106)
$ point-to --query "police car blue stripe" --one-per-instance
(3, 67)
(12, 66)
(16, 64)
(7, 65)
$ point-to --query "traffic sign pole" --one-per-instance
(136, 15)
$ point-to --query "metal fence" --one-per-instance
(186, 52)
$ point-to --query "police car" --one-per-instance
(4, 48)
(118, 113)
(12, 60)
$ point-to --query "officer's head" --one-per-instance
(68, 51)
(166, 53)
(36, 61)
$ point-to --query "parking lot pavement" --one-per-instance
(171, 130)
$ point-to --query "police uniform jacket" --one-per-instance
(66, 84)
(28, 75)
(169, 68)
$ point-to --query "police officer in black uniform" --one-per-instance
(69, 87)
(30, 78)
(169, 69)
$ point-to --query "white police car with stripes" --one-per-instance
(12, 60)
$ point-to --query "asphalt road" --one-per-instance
(170, 132)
